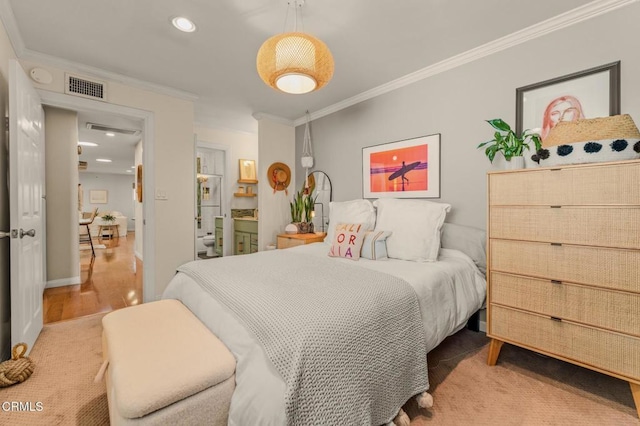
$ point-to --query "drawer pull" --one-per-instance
(556, 282)
(556, 244)
(556, 207)
(556, 319)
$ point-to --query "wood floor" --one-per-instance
(111, 280)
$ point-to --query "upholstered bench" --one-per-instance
(163, 366)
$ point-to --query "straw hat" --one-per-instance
(593, 140)
(279, 176)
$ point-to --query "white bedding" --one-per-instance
(449, 292)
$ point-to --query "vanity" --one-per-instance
(245, 235)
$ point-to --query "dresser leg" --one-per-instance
(635, 391)
(494, 351)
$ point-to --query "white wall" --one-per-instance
(138, 213)
(6, 53)
(173, 168)
(456, 103)
(119, 194)
(61, 181)
(276, 143)
(240, 145)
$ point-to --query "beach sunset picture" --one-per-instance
(409, 168)
(400, 170)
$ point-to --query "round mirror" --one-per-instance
(320, 186)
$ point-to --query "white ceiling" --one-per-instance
(373, 42)
(119, 148)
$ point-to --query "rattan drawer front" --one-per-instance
(613, 352)
(588, 185)
(601, 267)
(598, 226)
(613, 310)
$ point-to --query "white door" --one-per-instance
(26, 186)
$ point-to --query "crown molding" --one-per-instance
(22, 52)
(11, 27)
(66, 65)
(567, 19)
(270, 117)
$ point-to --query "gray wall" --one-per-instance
(456, 103)
(119, 196)
(61, 180)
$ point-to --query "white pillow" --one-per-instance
(374, 246)
(414, 225)
(354, 211)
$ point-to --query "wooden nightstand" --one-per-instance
(292, 240)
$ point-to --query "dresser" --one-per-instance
(292, 240)
(564, 265)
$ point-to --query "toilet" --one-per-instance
(209, 242)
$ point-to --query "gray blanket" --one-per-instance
(348, 341)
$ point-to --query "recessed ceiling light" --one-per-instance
(133, 167)
(103, 160)
(110, 134)
(128, 171)
(183, 24)
(87, 144)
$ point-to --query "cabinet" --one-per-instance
(292, 240)
(245, 234)
(563, 265)
(219, 232)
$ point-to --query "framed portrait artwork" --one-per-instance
(585, 94)
(404, 169)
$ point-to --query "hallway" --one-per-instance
(110, 281)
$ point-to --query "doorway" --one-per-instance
(209, 219)
(111, 187)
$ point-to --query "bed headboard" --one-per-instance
(470, 241)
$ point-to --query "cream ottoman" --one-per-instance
(165, 367)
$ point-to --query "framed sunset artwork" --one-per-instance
(404, 169)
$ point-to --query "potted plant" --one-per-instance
(302, 207)
(109, 219)
(509, 144)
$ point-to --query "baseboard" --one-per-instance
(137, 254)
(483, 326)
(63, 281)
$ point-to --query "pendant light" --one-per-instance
(295, 62)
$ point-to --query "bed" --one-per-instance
(369, 384)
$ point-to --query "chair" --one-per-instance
(87, 238)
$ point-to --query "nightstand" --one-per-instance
(292, 240)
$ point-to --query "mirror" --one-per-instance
(320, 186)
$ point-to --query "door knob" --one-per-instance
(30, 233)
(5, 234)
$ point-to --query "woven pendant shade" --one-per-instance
(295, 63)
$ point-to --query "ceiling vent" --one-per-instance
(105, 128)
(82, 165)
(80, 86)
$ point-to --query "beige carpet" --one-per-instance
(67, 355)
(523, 389)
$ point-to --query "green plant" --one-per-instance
(108, 218)
(309, 207)
(506, 141)
(297, 207)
